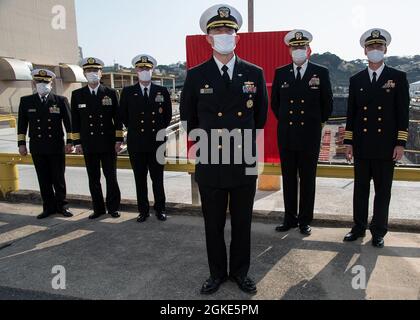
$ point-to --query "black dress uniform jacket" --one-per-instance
(207, 104)
(378, 115)
(145, 119)
(95, 120)
(301, 109)
(45, 123)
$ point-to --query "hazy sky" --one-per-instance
(119, 30)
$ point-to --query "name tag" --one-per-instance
(160, 98)
(32, 110)
(106, 101)
(207, 91)
(82, 106)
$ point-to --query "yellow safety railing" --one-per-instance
(10, 119)
(9, 177)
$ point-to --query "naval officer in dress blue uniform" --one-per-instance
(98, 135)
(376, 134)
(44, 115)
(302, 101)
(225, 95)
(146, 109)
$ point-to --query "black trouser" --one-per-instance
(215, 203)
(109, 167)
(142, 164)
(299, 170)
(50, 169)
(382, 173)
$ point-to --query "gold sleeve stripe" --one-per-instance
(75, 136)
(119, 134)
(348, 135)
(22, 137)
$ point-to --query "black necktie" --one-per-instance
(44, 100)
(374, 79)
(93, 94)
(146, 95)
(225, 76)
(299, 76)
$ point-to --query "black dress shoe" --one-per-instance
(95, 215)
(143, 217)
(161, 216)
(66, 213)
(285, 227)
(43, 215)
(306, 230)
(246, 284)
(115, 215)
(212, 285)
(354, 236)
(378, 242)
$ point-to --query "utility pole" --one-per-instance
(250, 15)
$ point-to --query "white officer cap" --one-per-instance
(92, 63)
(144, 60)
(298, 38)
(221, 15)
(374, 36)
(43, 75)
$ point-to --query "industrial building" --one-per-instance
(36, 34)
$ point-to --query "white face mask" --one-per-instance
(299, 56)
(145, 75)
(224, 43)
(43, 88)
(93, 77)
(376, 56)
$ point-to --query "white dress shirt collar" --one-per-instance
(44, 97)
(148, 88)
(378, 72)
(94, 90)
(230, 65)
(303, 70)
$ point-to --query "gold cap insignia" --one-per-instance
(299, 35)
(376, 34)
(224, 12)
(91, 61)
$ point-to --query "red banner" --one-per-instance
(265, 49)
